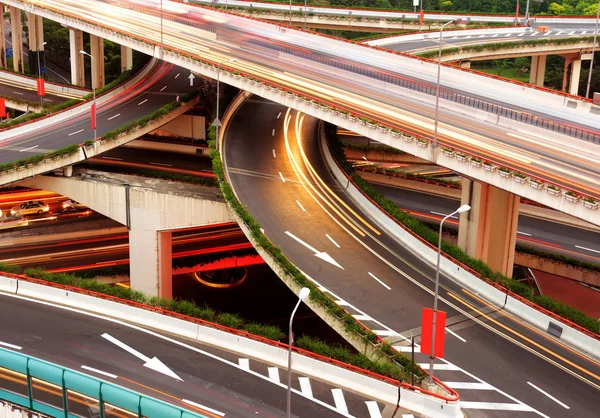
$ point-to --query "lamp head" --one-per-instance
(304, 292)
(464, 208)
(82, 52)
(459, 20)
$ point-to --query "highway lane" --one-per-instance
(384, 284)
(210, 377)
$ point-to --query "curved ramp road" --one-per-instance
(273, 162)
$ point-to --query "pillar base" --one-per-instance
(150, 258)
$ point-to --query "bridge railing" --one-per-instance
(61, 392)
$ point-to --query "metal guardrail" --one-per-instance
(60, 392)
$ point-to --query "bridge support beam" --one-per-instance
(150, 261)
(77, 68)
(2, 40)
(537, 70)
(16, 28)
(489, 230)
(575, 75)
(36, 39)
(126, 58)
(97, 51)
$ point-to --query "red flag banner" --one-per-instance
(41, 88)
(426, 332)
(2, 107)
(421, 17)
(94, 116)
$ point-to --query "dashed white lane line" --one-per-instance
(91, 369)
(548, 395)
(373, 408)
(520, 34)
(584, 32)
(274, 374)
(507, 35)
(16, 347)
(438, 366)
(523, 233)
(443, 214)
(469, 385)
(274, 155)
(142, 102)
(305, 387)
(495, 35)
(496, 406)
(331, 239)
(301, 207)
(115, 116)
(177, 75)
(244, 363)
(340, 401)
(206, 408)
(559, 32)
(112, 158)
(281, 176)
(161, 164)
(278, 115)
(76, 132)
(456, 335)
(587, 249)
(163, 88)
(30, 148)
(380, 282)
(273, 133)
(572, 32)
(482, 36)
(16, 92)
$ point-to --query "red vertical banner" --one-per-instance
(2, 107)
(427, 332)
(93, 115)
(517, 15)
(421, 17)
(41, 88)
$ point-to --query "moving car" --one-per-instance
(30, 208)
(73, 204)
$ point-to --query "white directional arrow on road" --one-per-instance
(151, 363)
(320, 254)
(191, 77)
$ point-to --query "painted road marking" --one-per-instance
(30, 148)
(274, 374)
(273, 133)
(331, 239)
(443, 214)
(341, 302)
(305, 387)
(468, 37)
(373, 408)
(206, 408)
(524, 233)
(584, 32)
(91, 369)
(16, 347)
(520, 34)
(469, 385)
(163, 88)
(244, 363)
(164, 165)
(572, 32)
(362, 317)
(456, 335)
(380, 282)
(496, 406)
(405, 349)
(16, 92)
(340, 401)
(438, 366)
(262, 230)
(177, 75)
(115, 116)
(301, 207)
(507, 35)
(112, 158)
(587, 249)
(274, 156)
(142, 102)
(385, 333)
(281, 175)
(482, 36)
(548, 395)
(278, 115)
(319, 254)
(495, 36)
(76, 132)
(559, 32)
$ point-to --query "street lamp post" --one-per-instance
(40, 69)
(437, 86)
(589, 81)
(290, 12)
(463, 208)
(94, 118)
(302, 296)
(217, 122)
(527, 14)
(161, 28)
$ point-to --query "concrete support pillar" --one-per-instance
(97, 51)
(126, 58)
(150, 258)
(16, 28)
(465, 64)
(489, 230)
(575, 74)
(537, 70)
(2, 40)
(568, 62)
(77, 68)
(36, 39)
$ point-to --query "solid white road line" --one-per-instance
(456, 335)
(206, 408)
(112, 158)
(16, 92)
(380, 282)
(76, 132)
(115, 116)
(244, 363)
(496, 406)
(385, 333)
(469, 385)
(438, 366)
(281, 175)
(163, 88)
(274, 374)
(301, 207)
(331, 239)
(278, 115)
(523, 233)
(443, 214)
(340, 401)
(587, 249)
(30, 148)
(142, 102)
(305, 387)
(373, 408)
(164, 165)
(273, 133)
(16, 347)
(548, 395)
(274, 156)
(341, 302)
(91, 369)
(177, 75)
(294, 237)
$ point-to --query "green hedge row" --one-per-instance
(383, 350)
(404, 174)
(559, 257)
(422, 230)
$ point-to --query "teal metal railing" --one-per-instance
(64, 393)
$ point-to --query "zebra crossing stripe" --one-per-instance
(445, 366)
(373, 408)
(469, 385)
(305, 387)
(340, 401)
(274, 374)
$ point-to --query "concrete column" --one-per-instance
(537, 70)
(489, 230)
(97, 51)
(150, 259)
(568, 62)
(465, 64)
(36, 39)
(77, 68)
(126, 58)
(575, 74)
(17, 38)
(2, 40)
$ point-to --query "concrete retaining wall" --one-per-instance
(559, 269)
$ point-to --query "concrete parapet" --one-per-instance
(557, 268)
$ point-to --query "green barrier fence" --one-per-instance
(60, 392)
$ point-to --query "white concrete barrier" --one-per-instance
(51, 88)
(447, 34)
